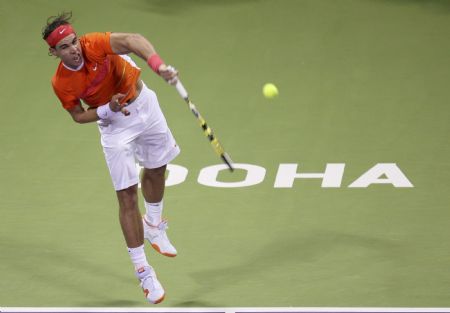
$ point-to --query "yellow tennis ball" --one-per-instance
(270, 91)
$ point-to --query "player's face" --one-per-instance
(68, 50)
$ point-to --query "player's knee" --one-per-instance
(128, 199)
(154, 173)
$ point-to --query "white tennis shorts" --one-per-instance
(143, 137)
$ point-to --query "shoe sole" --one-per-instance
(170, 255)
(154, 302)
(160, 299)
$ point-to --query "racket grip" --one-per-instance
(181, 90)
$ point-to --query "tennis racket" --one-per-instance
(218, 148)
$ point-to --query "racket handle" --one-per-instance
(181, 90)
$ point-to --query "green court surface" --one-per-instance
(362, 83)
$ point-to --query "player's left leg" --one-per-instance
(120, 160)
(129, 217)
(153, 185)
(131, 223)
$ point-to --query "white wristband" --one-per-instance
(104, 111)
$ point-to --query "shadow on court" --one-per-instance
(116, 303)
(197, 304)
(300, 254)
(55, 268)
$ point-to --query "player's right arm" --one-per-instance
(125, 43)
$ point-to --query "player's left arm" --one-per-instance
(125, 43)
(82, 116)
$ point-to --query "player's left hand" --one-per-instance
(168, 73)
(116, 106)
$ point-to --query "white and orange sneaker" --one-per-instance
(157, 237)
(152, 288)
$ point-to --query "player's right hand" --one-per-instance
(168, 73)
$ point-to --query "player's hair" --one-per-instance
(54, 22)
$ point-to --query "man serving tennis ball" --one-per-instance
(95, 69)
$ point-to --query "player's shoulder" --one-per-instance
(95, 43)
(95, 37)
(61, 79)
(59, 73)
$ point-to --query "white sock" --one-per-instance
(138, 257)
(153, 212)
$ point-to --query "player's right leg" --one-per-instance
(155, 148)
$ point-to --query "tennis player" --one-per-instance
(95, 69)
